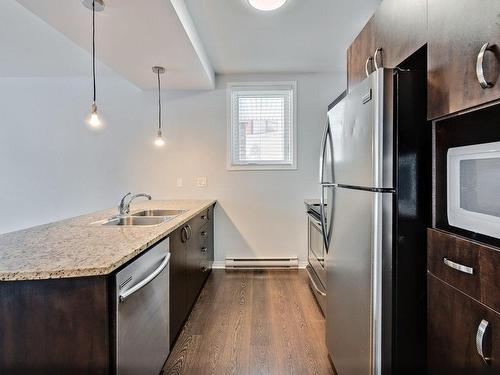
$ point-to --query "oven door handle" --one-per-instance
(141, 284)
(315, 285)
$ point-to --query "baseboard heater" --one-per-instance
(286, 262)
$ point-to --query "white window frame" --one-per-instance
(270, 86)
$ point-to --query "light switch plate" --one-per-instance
(201, 181)
(179, 182)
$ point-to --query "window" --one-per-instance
(262, 125)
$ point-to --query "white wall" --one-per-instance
(260, 213)
(53, 166)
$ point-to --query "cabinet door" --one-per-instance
(178, 291)
(453, 323)
(358, 53)
(400, 28)
(457, 30)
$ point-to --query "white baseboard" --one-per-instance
(221, 264)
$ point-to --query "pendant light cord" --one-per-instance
(159, 102)
(93, 46)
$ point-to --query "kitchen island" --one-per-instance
(57, 292)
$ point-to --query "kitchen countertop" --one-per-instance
(310, 202)
(75, 247)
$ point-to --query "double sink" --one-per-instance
(143, 218)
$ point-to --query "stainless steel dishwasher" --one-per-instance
(142, 313)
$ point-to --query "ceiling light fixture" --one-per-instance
(95, 6)
(159, 141)
(267, 5)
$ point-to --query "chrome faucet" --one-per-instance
(124, 207)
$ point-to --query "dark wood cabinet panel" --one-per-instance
(178, 275)
(457, 30)
(56, 326)
(483, 261)
(400, 29)
(192, 255)
(361, 49)
(453, 323)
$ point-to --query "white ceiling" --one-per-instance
(31, 48)
(132, 37)
(191, 38)
(302, 36)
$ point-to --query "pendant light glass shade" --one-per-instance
(159, 141)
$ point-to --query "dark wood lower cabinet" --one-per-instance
(453, 324)
(192, 255)
(54, 326)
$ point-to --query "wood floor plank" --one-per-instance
(255, 322)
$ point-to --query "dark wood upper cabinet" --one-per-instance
(400, 28)
(457, 31)
(453, 325)
(358, 53)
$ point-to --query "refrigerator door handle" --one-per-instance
(324, 141)
(325, 230)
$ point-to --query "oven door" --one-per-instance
(474, 188)
(316, 252)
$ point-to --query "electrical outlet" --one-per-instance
(179, 182)
(201, 181)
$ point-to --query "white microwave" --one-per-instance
(474, 188)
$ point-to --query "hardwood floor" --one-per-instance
(253, 322)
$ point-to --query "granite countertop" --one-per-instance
(75, 247)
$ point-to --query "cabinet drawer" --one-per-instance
(453, 325)
(470, 266)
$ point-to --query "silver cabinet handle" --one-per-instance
(481, 331)
(141, 284)
(458, 266)
(189, 231)
(375, 55)
(184, 235)
(204, 249)
(480, 68)
(204, 233)
(315, 286)
(369, 61)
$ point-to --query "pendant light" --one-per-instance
(95, 6)
(159, 141)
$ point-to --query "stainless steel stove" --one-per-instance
(316, 255)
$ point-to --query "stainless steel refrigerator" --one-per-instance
(375, 207)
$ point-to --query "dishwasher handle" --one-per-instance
(141, 284)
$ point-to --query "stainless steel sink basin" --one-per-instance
(134, 221)
(158, 213)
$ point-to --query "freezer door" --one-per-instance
(354, 280)
(362, 134)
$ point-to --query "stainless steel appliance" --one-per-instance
(316, 255)
(473, 174)
(373, 182)
(142, 313)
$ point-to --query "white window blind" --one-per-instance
(262, 126)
